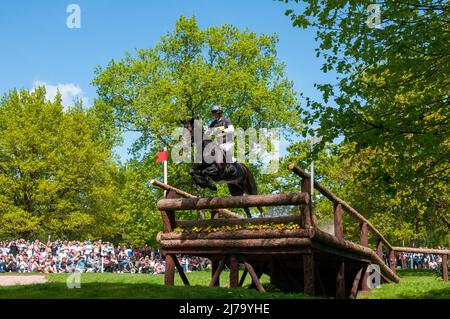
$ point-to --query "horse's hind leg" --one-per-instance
(236, 190)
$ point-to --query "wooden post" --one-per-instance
(254, 276)
(169, 274)
(308, 274)
(340, 280)
(168, 216)
(305, 208)
(180, 270)
(355, 285)
(444, 267)
(392, 260)
(234, 272)
(364, 241)
(363, 235)
(338, 221)
(217, 272)
(380, 248)
(214, 266)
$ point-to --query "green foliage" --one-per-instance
(187, 72)
(390, 102)
(56, 169)
(414, 284)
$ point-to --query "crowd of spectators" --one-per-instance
(62, 256)
(419, 261)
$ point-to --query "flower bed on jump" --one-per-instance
(248, 226)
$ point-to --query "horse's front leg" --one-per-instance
(201, 179)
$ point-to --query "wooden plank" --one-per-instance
(308, 274)
(243, 221)
(422, 250)
(236, 234)
(169, 274)
(180, 270)
(166, 187)
(235, 243)
(355, 285)
(334, 199)
(234, 271)
(217, 272)
(338, 221)
(257, 251)
(233, 201)
(254, 276)
(340, 280)
(444, 267)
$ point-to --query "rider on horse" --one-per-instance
(223, 129)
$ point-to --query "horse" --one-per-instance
(239, 183)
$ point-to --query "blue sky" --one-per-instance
(36, 46)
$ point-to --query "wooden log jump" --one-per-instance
(336, 200)
(237, 234)
(298, 259)
(166, 187)
(233, 201)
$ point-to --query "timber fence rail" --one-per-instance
(364, 225)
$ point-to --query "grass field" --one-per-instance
(414, 284)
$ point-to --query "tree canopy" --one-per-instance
(390, 101)
(187, 72)
(57, 170)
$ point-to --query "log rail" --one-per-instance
(365, 226)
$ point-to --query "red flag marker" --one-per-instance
(162, 156)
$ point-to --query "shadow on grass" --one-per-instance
(134, 291)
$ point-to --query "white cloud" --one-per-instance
(69, 92)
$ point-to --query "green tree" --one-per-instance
(56, 169)
(187, 72)
(390, 102)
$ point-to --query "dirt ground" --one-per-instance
(14, 280)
